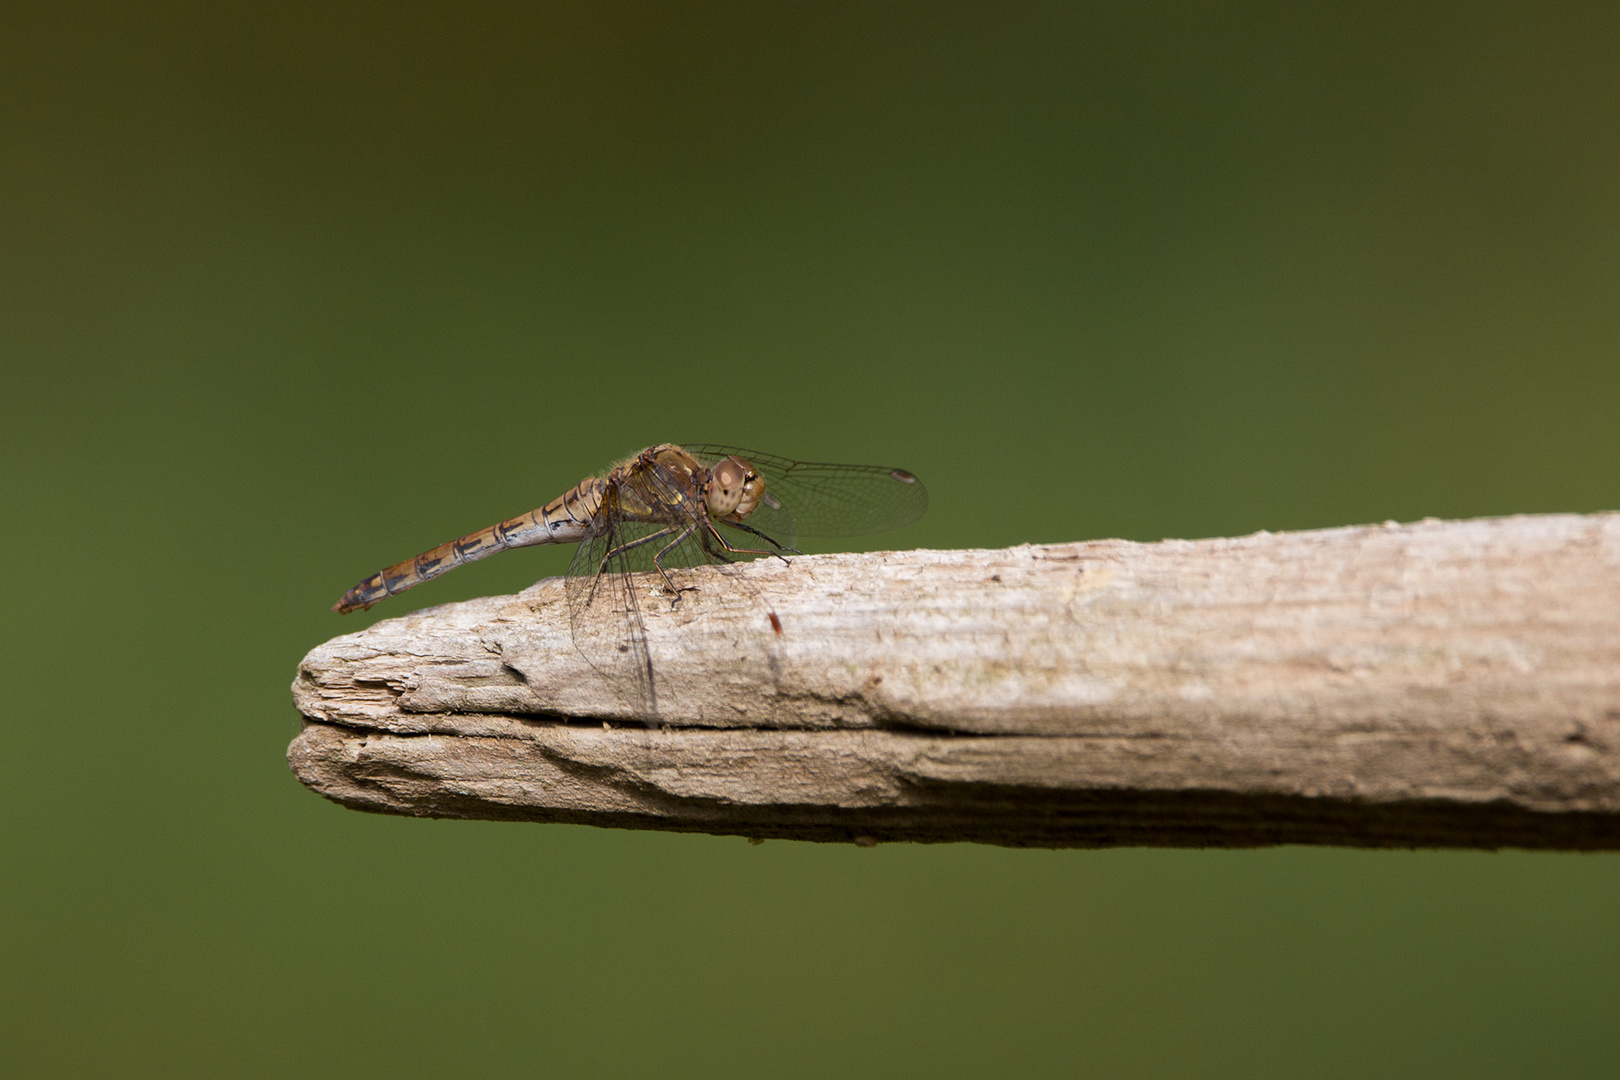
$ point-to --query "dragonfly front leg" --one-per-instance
(745, 527)
(708, 549)
(750, 551)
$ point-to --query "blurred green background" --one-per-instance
(289, 292)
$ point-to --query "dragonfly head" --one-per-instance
(734, 489)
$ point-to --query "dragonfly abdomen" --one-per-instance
(564, 520)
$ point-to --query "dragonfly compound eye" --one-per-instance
(725, 488)
(734, 489)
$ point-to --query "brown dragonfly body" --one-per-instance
(573, 515)
(669, 508)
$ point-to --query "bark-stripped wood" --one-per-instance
(1441, 683)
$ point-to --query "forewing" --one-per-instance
(822, 499)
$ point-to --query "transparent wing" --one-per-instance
(604, 616)
(614, 573)
(810, 498)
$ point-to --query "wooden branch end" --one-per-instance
(1443, 684)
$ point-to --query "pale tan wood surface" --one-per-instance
(1440, 683)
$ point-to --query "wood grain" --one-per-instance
(1432, 684)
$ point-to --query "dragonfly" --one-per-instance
(658, 515)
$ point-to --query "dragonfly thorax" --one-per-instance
(733, 489)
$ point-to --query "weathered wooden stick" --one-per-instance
(1437, 684)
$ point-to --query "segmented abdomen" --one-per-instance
(564, 520)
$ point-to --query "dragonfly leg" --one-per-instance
(751, 551)
(709, 550)
(601, 567)
(658, 561)
(622, 548)
(769, 540)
